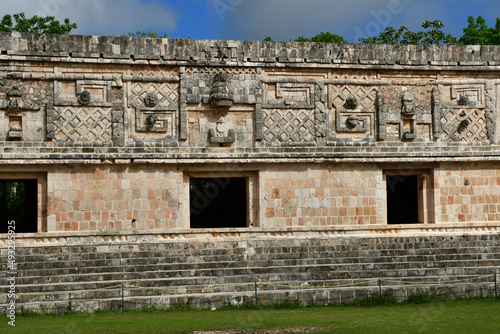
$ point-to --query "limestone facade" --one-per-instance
(114, 130)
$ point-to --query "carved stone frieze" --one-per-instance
(73, 124)
(92, 93)
(221, 94)
(351, 121)
(400, 118)
(14, 101)
(155, 106)
(464, 124)
(295, 95)
(289, 125)
(84, 98)
(491, 112)
(465, 112)
(222, 134)
(320, 119)
(354, 108)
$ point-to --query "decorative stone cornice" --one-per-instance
(66, 48)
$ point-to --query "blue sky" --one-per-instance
(256, 19)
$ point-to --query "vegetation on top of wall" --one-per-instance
(36, 24)
(475, 33)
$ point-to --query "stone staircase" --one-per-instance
(209, 274)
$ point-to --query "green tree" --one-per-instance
(36, 24)
(323, 37)
(433, 35)
(150, 34)
(478, 33)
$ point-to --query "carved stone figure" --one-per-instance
(463, 100)
(351, 103)
(221, 134)
(352, 121)
(15, 91)
(221, 129)
(463, 125)
(15, 102)
(84, 98)
(221, 94)
(151, 100)
(151, 120)
(408, 105)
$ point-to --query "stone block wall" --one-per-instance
(468, 192)
(320, 195)
(117, 127)
(110, 197)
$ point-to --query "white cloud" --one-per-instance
(288, 19)
(100, 17)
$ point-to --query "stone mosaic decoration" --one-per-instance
(354, 108)
(365, 95)
(167, 94)
(155, 106)
(463, 116)
(353, 75)
(155, 71)
(229, 70)
(221, 94)
(284, 125)
(468, 125)
(83, 124)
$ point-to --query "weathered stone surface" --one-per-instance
(209, 273)
(313, 128)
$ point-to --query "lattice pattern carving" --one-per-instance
(366, 95)
(474, 131)
(83, 124)
(167, 93)
(285, 125)
(228, 70)
(161, 71)
(353, 75)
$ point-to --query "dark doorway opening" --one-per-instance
(18, 202)
(218, 202)
(402, 199)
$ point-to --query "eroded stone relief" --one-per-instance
(463, 113)
(277, 109)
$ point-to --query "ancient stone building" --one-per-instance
(120, 141)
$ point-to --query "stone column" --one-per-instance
(490, 111)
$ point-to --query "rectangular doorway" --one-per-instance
(409, 197)
(402, 199)
(219, 202)
(19, 203)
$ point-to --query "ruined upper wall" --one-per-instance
(72, 99)
(215, 52)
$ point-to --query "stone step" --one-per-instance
(298, 276)
(219, 299)
(294, 279)
(66, 253)
(235, 268)
(199, 263)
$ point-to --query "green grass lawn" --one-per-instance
(479, 316)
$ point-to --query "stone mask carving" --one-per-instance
(408, 105)
(352, 121)
(351, 103)
(221, 94)
(84, 98)
(15, 91)
(463, 100)
(151, 100)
